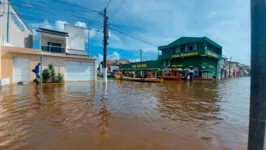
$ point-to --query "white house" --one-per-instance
(71, 43)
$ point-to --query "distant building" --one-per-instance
(112, 65)
(233, 69)
(221, 68)
(199, 53)
(13, 31)
(122, 61)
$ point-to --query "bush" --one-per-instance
(50, 73)
(45, 75)
(54, 79)
(60, 77)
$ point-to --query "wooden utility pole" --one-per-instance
(257, 111)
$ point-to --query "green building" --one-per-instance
(199, 53)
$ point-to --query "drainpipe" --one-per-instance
(7, 23)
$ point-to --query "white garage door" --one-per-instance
(21, 70)
(79, 71)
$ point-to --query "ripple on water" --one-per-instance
(126, 115)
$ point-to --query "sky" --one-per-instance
(152, 22)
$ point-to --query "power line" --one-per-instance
(108, 4)
(71, 4)
(43, 19)
(49, 10)
(99, 14)
(136, 38)
(118, 8)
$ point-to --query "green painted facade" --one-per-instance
(199, 53)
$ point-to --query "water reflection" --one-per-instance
(125, 115)
(192, 101)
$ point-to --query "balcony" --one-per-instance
(53, 49)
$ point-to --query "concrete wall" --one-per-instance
(9, 53)
(0, 62)
(19, 34)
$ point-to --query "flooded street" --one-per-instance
(126, 115)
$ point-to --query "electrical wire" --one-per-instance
(99, 14)
(71, 4)
(51, 11)
(136, 38)
(31, 18)
(118, 9)
(108, 4)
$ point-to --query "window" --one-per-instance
(191, 47)
(164, 63)
(54, 44)
(177, 49)
(169, 63)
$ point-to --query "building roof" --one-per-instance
(233, 62)
(186, 40)
(43, 30)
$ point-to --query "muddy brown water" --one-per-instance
(125, 115)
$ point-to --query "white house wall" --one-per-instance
(3, 20)
(76, 37)
(18, 33)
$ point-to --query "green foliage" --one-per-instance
(54, 79)
(60, 77)
(50, 73)
(45, 75)
(51, 67)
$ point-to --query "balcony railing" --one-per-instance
(53, 49)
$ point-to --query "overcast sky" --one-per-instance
(157, 22)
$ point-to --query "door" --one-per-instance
(21, 70)
(79, 71)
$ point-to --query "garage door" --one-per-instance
(21, 70)
(79, 71)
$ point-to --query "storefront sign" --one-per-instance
(185, 55)
(211, 66)
(17, 22)
(177, 65)
(212, 54)
(139, 66)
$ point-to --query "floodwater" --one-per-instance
(202, 115)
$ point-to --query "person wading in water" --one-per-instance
(36, 70)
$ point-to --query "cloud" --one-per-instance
(99, 59)
(81, 24)
(59, 25)
(92, 32)
(44, 24)
(226, 22)
(114, 56)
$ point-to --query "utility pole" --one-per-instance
(257, 111)
(105, 42)
(229, 67)
(89, 41)
(140, 55)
